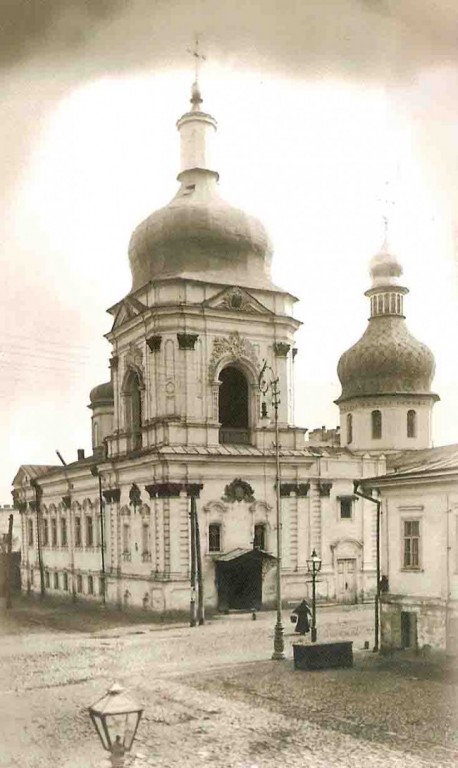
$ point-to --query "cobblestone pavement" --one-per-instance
(212, 697)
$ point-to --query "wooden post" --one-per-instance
(200, 581)
(9, 563)
(193, 562)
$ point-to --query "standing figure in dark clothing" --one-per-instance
(303, 614)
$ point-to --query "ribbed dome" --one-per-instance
(386, 360)
(200, 234)
(102, 394)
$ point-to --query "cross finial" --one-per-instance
(387, 201)
(198, 58)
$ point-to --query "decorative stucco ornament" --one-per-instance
(232, 347)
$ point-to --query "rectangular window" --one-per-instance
(79, 583)
(145, 538)
(65, 581)
(411, 544)
(214, 537)
(56, 580)
(30, 522)
(47, 578)
(90, 585)
(259, 536)
(77, 532)
(45, 532)
(346, 509)
(89, 532)
(32, 574)
(63, 531)
(53, 532)
(126, 538)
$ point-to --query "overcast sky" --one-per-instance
(325, 110)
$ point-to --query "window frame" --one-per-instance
(376, 424)
(349, 425)
(411, 537)
(89, 532)
(214, 527)
(78, 532)
(412, 424)
(260, 525)
(343, 501)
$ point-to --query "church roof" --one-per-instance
(428, 463)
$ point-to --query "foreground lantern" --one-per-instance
(116, 717)
(314, 567)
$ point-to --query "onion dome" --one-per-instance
(387, 360)
(102, 395)
(198, 234)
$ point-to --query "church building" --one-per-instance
(183, 419)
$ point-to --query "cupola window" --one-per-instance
(349, 427)
(376, 418)
(411, 423)
(233, 406)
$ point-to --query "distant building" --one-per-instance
(419, 497)
(182, 415)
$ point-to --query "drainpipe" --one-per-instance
(378, 502)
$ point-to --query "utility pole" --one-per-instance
(95, 473)
(192, 515)
(356, 484)
(9, 563)
(38, 494)
(200, 582)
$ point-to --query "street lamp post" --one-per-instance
(266, 384)
(314, 567)
(116, 717)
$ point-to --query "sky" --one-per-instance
(330, 116)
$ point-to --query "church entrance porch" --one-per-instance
(239, 578)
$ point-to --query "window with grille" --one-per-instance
(376, 417)
(411, 544)
(214, 537)
(89, 531)
(78, 531)
(259, 536)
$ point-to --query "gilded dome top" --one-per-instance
(199, 234)
(102, 394)
(386, 360)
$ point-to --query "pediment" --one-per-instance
(236, 299)
(127, 309)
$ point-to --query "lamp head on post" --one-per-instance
(116, 717)
(314, 563)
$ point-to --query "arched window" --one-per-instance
(233, 406)
(376, 417)
(95, 434)
(349, 427)
(259, 536)
(411, 423)
(214, 537)
(134, 409)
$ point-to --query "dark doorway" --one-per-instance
(408, 629)
(239, 579)
(233, 406)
